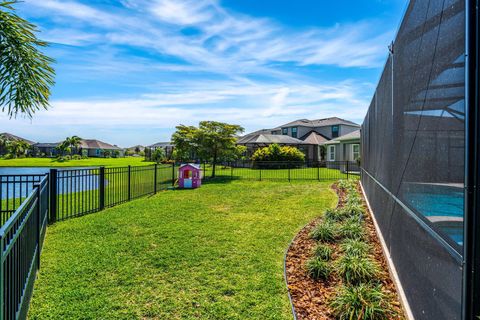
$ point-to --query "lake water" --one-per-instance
(66, 183)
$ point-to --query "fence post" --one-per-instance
(173, 174)
(38, 212)
(2, 283)
(347, 170)
(101, 187)
(129, 182)
(289, 173)
(52, 181)
(155, 178)
(260, 173)
(318, 171)
(231, 170)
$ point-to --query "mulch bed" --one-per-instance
(310, 298)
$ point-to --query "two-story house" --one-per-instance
(310, 136)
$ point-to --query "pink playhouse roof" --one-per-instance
(191, 165)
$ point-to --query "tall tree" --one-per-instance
(211, 141)
(73, 143)
(26, 74)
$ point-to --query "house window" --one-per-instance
(331, 153)
(285, 131)
(356, 151)
(97, 152)
(335, 130)
(294, 132)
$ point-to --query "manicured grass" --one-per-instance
(90, 162)
(211, 253)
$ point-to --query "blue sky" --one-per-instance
(129, 71)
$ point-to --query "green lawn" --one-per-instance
(90, 162)
(211, 253)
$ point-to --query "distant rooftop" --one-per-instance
(264, 138)
(13, 137)
(355, 135)
(319, 123)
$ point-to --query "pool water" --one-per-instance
(442, 205)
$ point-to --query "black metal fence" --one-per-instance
(76, 192)
(29, 202)
(21, 238)
(283, 170)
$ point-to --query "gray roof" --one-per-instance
(313, 137)
(47, 144)
(12, 137)
(264, 138)
(97, 144)
(319, 123)
(355, 135)
(161, 144)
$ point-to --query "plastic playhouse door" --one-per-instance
(187, 183)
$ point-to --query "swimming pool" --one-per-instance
(441, 204)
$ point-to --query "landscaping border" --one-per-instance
(292, 305)
(305, 294)
(391, 267)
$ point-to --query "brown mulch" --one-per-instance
(310, 298)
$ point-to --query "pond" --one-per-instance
(19, 186)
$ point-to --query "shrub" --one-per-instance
(352, 228)
(77, 157)
(276, 153)
(318, 269)
(357, 269)
(339, 214)
(323, 252)
(347, 184)
(325, 232)
(361, 302)
(354, 209)
(352, 247)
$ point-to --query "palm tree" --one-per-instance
(26, 74)
(73, 143)
(64, 147)
(17, 148)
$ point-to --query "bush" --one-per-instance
(357, 269)
(276, 153)
(355, 210)
(347, 185)
(361, 302)
(352, 247)
(352, 228)
(77, 157)
(325, 232)
(323, 252)
(318, 269)
(338, 214)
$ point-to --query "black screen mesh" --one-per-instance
(413, 155)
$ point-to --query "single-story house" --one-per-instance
(97, 148)
(46, 149)
(87, 147)
(11, 137)
(257, 140)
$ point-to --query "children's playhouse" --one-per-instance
(189, 176)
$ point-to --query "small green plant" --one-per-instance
(325, 232)
(361, 302)
(347, 184)
(353, 247)
(318, 269)
(354, 209)
(323, 251)
(338, 214)
(352, 228)
(357, 269)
